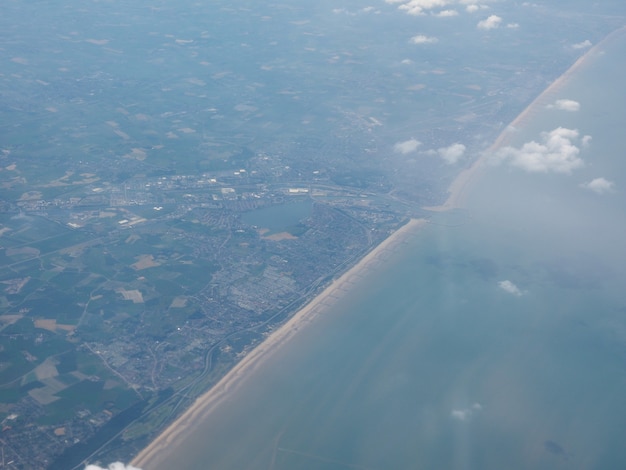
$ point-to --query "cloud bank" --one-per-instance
(557, 152)
(113, 466)
(565, 105)
(509, 287)
(599, 185)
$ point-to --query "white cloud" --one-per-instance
(466, 413)
(452, 154)
(512, 25)
(461, 415)
(582, 45)
(421, 39)
(599, 185)
(490, 23)
(509, 287)
(407, 146)
(417, 7)
(557, 152)
(565, 105)
(113, 466)
(343, 11)
(423, 7)
(447, 13)
(473, 2)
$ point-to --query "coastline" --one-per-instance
(235, 378)
(207, 402)
(459, 188)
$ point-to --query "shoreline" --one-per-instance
(459, 188)
(208, 401)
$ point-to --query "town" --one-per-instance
(142, 293)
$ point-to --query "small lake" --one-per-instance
(279, 218)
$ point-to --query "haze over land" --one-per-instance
(178, 179)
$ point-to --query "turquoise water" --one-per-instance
(429, 363)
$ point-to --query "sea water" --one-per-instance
(497, 340)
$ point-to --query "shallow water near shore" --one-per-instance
(494, 337)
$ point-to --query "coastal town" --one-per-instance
(183, 281)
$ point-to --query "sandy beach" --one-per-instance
(203, 406)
